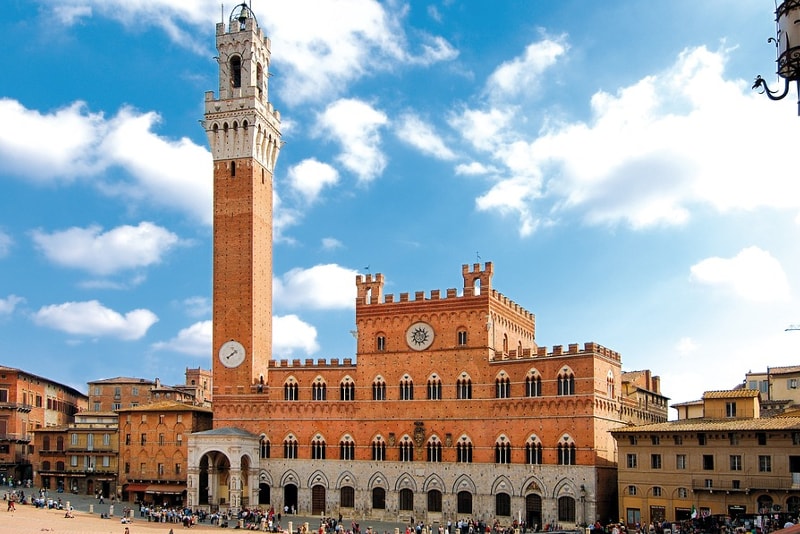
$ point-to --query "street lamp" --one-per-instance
(787, 45)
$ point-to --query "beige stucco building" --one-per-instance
(724, 458)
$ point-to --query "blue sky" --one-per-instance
(608, 157)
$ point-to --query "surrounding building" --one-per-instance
(112, 394)
(779, 388)
(450, 408)
(153, 450)
(720, 457)
(82, 454)
(29, 402)
(81, 457)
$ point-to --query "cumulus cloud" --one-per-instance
(421, 135)
(321, 287)
(355, 125)
(318, 58)
(310, 176)
(474, 168)
(753, 274)
(175, 175)
(8, 304)
(651, 153)
(522, 75)
(290, 333)
(103, 253)
(56, 146)
(92, 319)
(194, 340)
(485, 129)
(74, 144)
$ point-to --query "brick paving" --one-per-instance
(28, 519)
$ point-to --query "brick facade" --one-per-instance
(449, 409)
(29, 402)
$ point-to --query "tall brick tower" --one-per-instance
(244, 134)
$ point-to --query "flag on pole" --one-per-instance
(694, 512)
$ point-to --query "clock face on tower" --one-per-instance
(419, 336)
(231, 354)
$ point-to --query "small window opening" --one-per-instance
(236, 71)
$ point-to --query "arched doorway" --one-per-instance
(214, 479)
(290, 498)
(764, 504)
(263, 493)
(533, 511)
(318, 500)
(464, 502)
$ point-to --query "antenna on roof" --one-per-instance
(222, 12)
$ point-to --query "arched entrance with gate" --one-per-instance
(533, 511)
(318, 500)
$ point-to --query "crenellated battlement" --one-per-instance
(477, 282)
(573, 349)
(312, 363)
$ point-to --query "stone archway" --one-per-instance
(533, 511)
(290, 498)
(318, 499)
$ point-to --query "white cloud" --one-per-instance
(283, 218)
(69, 15)
(413, 131)
(103, 253)
(8, 304)
(74, 144)
(197, 306)
(92, 319)
(5, 244)
(355, 125)
(176, 19)
(522, 75)
(435, 49)
(474, 168)
(652, 151)
(485, 130)
(57, 146)
(123, 285)
(310, 176)
(512, 196)
(331, 243)
(175, 174)
(290, 333)
(753, 274)
(318, 58)
(194, 340)
(322, 287)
